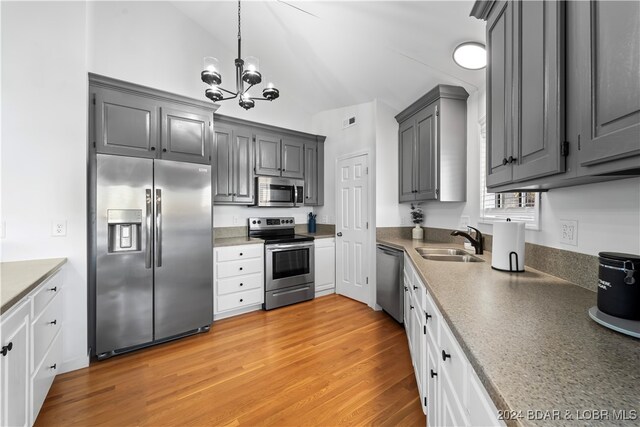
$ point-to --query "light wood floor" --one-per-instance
(330, 361)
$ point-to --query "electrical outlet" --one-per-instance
(464, 222)
(59, 228)
(569, 232)
(325, 219)
(236, 221)
(404, 220)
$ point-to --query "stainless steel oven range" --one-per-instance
(289, 261)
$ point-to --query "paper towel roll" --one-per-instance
(508, 246)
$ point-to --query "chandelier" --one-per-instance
(247, 71)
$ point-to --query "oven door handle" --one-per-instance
(276, 248)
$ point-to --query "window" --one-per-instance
(499, 206)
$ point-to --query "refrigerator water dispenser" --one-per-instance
(124, 230)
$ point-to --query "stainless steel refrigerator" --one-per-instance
(153, 247)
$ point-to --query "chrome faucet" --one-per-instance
(477, 243)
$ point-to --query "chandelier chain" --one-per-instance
(239, 20)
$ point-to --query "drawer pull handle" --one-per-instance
(6, 348)
(241, 284)
(433, 374)
(240, 268)
(53, 322)
(240, 253)
(427, 316)
(54, 289)
(415, 287)
(241, 300)
(406, 289)
(54, 366)
(410, 307)
(445, 356)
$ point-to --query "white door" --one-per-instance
(352, 234)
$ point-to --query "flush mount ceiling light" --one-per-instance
(470, 55)
(247, 71)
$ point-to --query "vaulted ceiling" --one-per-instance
(333, 54)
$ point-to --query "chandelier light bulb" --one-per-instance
(211, 73)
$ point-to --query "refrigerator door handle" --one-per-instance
(147, 232)
(158, 227)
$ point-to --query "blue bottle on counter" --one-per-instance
(311, 223)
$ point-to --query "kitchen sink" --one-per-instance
(441, 251)
(447, 254)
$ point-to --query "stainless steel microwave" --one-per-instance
(279, 192)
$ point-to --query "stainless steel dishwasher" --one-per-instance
(389, 295)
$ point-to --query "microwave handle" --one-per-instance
(295, 195)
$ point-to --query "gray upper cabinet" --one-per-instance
(314, 172)
(525, 84)
(292, 158)
(124, 123)
(563, 92)
(186, 135)
(138, 121)
(609, 33)
(499, 27)
(232, 165)
(222, 164)
(432, 147)
(268, 155)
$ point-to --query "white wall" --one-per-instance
(154, 44)
(359, 137)
(44, 139)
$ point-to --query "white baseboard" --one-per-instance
(324, 292)
(237, 312)
(74, 364)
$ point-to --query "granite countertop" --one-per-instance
(18, 278)
(234, 241)
(530, 340)
(319, 235)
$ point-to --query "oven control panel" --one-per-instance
(267, 223)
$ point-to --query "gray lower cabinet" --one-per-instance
(186, 135)
(433, 147)
(563, 92)
(525, 84)
(314, 172)
(138, 121)
(232, 165)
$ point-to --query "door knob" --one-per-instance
(339, 234)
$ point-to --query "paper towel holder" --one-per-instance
(513, 261)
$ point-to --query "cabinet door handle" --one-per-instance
(240, 268)
(406, 289)
(54, 366)
(241, 300)
(54, 289)
(153, 148)
(512, 159)
(164, 150)
(54, 322)
(433, 374)
(410, 307)
(240, 253)
(6, 348)
(241, 284)
(415, 287)
(427, 316)
(445, 356)
(505, 161)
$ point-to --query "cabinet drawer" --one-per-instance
(456, 365)
(239, 284)
(42, 379)
(45, 327)
(239, 268)
(235, 253)
(47, 290)
(240, 299)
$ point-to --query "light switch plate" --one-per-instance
(59, 228)
(569, 232)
